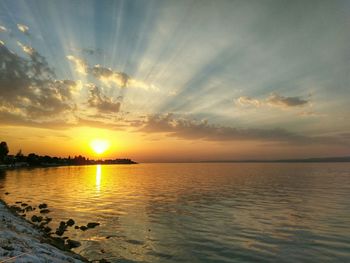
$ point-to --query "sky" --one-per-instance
(176, 80)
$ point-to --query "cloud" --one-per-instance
(3, 29)
(121, 79)
(111, 125)
(244, 101)
(38, 65)
(101, 102)
(27, 49)
(88, 51)
(274, 100)
(192, 129)
(28, 86)
(281, 101)
(80, 65)
(16, 119)
(310, 114)
(23, 28)
(108, 76)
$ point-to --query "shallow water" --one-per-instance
(197, 212)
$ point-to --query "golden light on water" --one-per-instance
(98, 177)
(99, 146)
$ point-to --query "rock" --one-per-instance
(92, 225)
(28, 208)
(42, 206)
(47, 229)
(18, 202)
(57, 241)
(103, 261)
(24, 204)
(59, 232)
(47, 219)
(16, 209)
(83, 228)
(42, 225)
(7, 193)
(37, 218)
(76, 227)
(73, 243)
(8, 248)
(44, 211)
(70, 222)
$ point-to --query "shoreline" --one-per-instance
(22, 241)
(10, 166)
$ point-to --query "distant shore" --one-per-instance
(343, 159)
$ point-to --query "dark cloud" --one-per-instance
(277, 100)
(193, 129)
(107, 74)
(101, 102)
(28, 85)
(30, 94)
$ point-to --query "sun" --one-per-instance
(99, 146)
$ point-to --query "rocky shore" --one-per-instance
(22, 241)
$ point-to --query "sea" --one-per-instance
(195, 212)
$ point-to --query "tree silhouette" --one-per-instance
(20, 157)
(4, 150)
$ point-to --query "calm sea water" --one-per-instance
(197, 212)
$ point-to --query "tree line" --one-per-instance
(33, 159)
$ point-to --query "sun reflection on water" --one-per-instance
(98, 177)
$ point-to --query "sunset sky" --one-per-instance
(176, 80)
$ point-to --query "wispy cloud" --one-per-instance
(274, 100)
(27, 49)
(23, 28)
(311, 114)
(108, 76)
(3, 29)
(248, 101)
(80, 65)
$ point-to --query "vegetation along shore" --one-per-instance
(34, 160)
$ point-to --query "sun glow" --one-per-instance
(99, 146)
